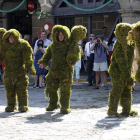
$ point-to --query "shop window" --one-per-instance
(90, 1)
(107, 1)
(80, 1)
(98, 0)
(71, 1)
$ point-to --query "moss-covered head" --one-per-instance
(121, 31)
(78, 32)
(57, 29)
(135, 33)
(14, 33)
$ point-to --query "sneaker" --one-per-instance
(102, 85)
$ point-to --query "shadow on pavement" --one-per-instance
(8, 114)
(47, 117)
(109, 123)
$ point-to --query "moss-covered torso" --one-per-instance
(59, 63)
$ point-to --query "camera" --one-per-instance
(91, 38)
(40, 45)
(98, 41)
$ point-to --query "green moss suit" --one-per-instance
(64, 55)
(120, 72)
(18, 60)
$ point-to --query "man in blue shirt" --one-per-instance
(100, 60)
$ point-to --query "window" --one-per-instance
(90, 1)
(71, 1)
(80, 1)
(98, 0)
(107, 1)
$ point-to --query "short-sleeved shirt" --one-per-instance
(100, 54)
(87, 48)
(47, 42)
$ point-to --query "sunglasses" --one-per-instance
(92, 36)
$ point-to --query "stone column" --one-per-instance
(130, 10)
(47, 5)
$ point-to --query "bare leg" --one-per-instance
(77, 82)
(36, 79)
(97, 78)
(104, 77)
(40, 80)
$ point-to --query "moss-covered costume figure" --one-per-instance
(64, 55)
(18, 60)
(134, 38)
(2, 31)
(120, 72)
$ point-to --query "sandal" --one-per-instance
(106, 87)
(78, 87)
(96, 87)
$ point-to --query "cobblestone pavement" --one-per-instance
(87, 121)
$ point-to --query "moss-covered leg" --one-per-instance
(126, 101)
(11, 97)
(114, 97)
(51, 90)
(21, 90)
(65, 90)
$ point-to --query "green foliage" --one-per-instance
(43, 15)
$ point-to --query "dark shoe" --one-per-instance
(96, 87)
(77, 87)
(40, 87)
(106, 87)
(90, 84)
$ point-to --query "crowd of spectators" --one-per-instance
(94, 55)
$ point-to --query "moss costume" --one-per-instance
(2, 31)
(64, 55)
(120, 72)
(18, 60)
(133, 38)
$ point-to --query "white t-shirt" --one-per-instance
(87, 48)
(78, 63)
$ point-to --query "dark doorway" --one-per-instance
(69, 22)
(20, 20)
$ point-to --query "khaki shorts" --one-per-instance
(100, 66)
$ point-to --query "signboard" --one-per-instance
(45, 27)
(30, 7)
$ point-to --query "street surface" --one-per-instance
(87, 121)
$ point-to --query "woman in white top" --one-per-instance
(77, 67)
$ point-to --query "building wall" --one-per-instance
(98, 21)
(36, 23)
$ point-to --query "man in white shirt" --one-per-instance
(90, 58)
(44, 38)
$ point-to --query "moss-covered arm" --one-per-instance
(46, 57)
(77, 34)
(27, 57)
(1, 57)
